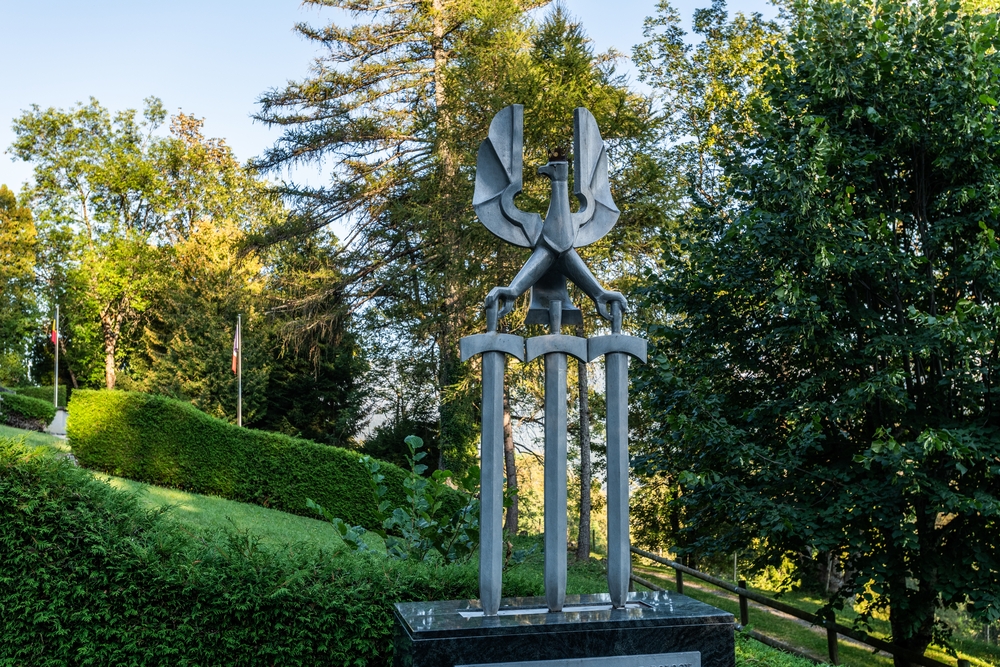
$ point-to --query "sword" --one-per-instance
(555, 347)
(616, 349)
(493, 346)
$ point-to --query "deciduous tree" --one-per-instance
(18, 316)
(823, 380)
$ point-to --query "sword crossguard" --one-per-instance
(574, 346)
(492, 341)
(615, 343)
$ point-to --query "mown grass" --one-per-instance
(34, 438)
(202, 513)
(197, 512)
(810, 639)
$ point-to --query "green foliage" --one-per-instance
(170, 443)
(18, 308)
(403, 173)
(16, 408)
(97, 198)
(752, 652)
(823, 374)
(388, 441)
(87, 576)
(424, 528)
(314, 385)
(43, 393)
(133, 224)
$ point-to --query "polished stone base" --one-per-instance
(666, 627)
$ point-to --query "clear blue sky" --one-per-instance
(210, 58)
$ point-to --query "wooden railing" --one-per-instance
(833, 629)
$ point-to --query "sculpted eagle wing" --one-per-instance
(598, 213)
(499, 177)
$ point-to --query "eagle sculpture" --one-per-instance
(553, 240)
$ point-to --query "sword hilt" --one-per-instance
(616, 317)
(491, 316)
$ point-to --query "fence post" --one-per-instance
(680, 581)
(744, 607)
(831, 645)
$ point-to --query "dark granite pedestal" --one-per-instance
(656, 629)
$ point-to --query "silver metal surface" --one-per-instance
(555, 465)
(494, 347)
(598, 213)
(598, 346)
(553, 261)
(555, 480)
(538, 346)
(499, 174)
(510, 344)
(499, 177)
(687, 659)
(617, 348)
(619, 560)
(491, 486)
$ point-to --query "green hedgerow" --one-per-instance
(43, 393)
(89, 578)
(171, 443)
(25, 411)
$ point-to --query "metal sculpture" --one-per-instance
(499, 179)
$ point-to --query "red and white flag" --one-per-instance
(236, 348)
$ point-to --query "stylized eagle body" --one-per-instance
(499, 178)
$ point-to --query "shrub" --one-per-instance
(170, 443)
(43, 393)
(87, 577)
(423, 528)
(26, 412)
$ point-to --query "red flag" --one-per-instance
(236, 348)
(55, 332)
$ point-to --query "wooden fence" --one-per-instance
(833, 629)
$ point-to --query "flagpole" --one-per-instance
(239, 376)
(55, 376)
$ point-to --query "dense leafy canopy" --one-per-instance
(18, 247)
(824, 380)
(399, 105)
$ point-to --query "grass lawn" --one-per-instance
(198, 512)
(201, 513)
(34, 438)
(810, 639)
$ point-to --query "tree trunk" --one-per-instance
(440, 55)
(583, 535)
(110, 328)
(917, 642)
(69, 369)
(510, 525)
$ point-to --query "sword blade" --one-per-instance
(555, 480)
(619, 558)
(491, 485)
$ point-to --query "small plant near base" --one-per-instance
(419, 530)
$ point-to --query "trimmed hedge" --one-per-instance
(171, 443)
(89, 578)
(43, 393)
(33, 412)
